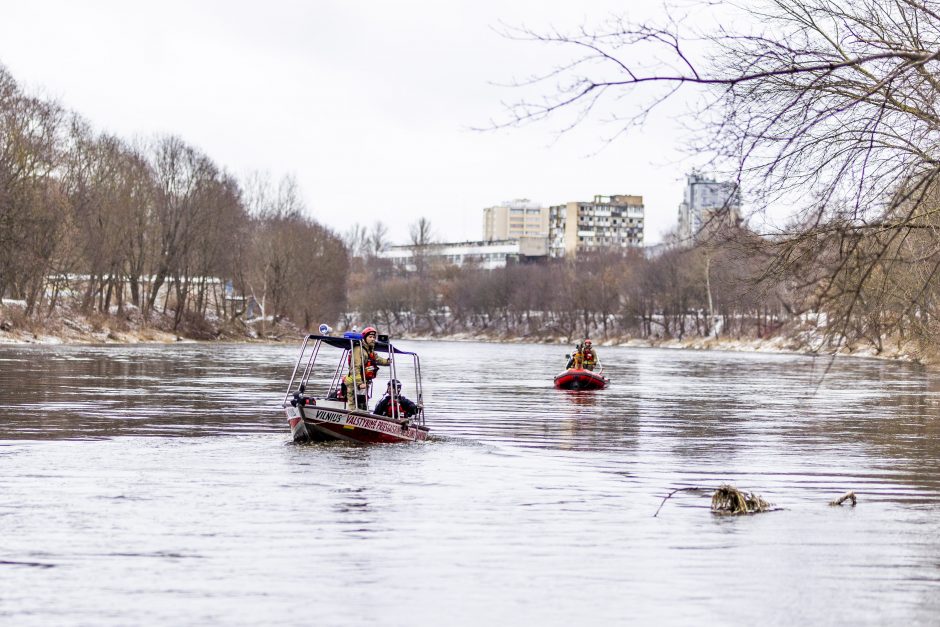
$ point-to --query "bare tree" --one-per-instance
(377, 239)
(422, 235)
(298, 269)
(31, 202)
(157, 220)
(827, 105)
(422, 238)
(98, 182)
(356, 239)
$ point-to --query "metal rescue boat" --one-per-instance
(581, 379)
(316, 404)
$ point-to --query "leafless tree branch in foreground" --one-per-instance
(827, 108)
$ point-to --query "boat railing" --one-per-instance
(308, 369)
(293, 376)
(336, 382)
(420, 389)
(306, 361)
(418, 418)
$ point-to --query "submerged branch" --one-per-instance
(668, 496)
(848, 496)
(727, 500)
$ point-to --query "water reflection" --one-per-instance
(186, 389)
(581, 397)
(691, 405)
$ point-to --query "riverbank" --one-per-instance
(800, 337)
(72, 327)
(69, 326)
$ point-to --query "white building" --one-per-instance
(607, 222)
(705, 200)
(514, 219)
(486, 255)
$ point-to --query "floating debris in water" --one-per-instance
(669, 496)
(848, 496)
(727, 499)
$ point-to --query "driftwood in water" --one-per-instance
(848, 496)
(727, 499)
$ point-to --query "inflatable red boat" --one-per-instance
(580, 379)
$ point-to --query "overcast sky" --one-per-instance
(370, 105)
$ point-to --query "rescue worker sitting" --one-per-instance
(588, 356)
(338, 393)
(387, 406)
(575, 359)
(363, 366)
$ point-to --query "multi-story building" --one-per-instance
(514, 219)
(486, 255)
(705, 203)
(606, 222)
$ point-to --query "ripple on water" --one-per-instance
(158, 481)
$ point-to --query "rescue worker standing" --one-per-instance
(363, 366)
(588, 356)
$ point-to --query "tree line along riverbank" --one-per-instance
(70, 327)
(108, 239)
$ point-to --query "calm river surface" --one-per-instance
(156, 485)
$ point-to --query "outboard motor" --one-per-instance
(299, 400)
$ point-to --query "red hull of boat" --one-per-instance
(334, 424)
(579, 379)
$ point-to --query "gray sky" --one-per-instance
(370, 105)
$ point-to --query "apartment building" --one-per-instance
(707, 203)
(606, 222)
(515, 219)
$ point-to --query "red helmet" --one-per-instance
(368, 331)
(587, 342)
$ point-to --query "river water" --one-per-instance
(156, 485)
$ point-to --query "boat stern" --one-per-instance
(298, 429)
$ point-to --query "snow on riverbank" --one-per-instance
(67, 326)
(70, 327)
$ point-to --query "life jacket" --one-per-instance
(369, 364)
(390, 410)
(588, 355)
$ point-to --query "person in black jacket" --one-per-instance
(386, 407)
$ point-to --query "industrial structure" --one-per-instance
(484, 255)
